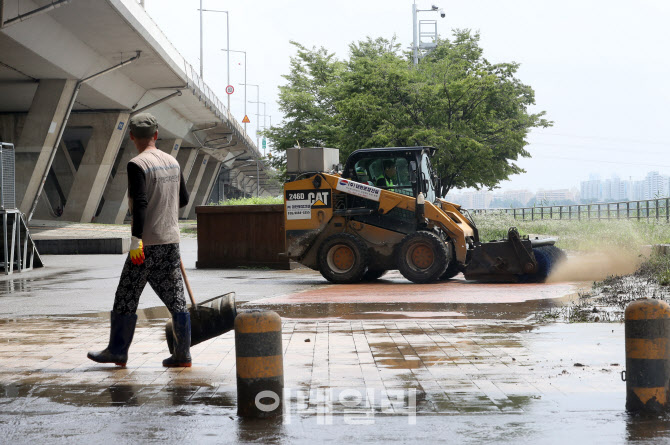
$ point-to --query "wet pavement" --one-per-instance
(378, 362)
(76, 284)
(478, 381)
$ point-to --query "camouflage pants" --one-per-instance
(161, 270)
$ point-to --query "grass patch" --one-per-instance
(626, 235)
(262, 200)
(656, 269)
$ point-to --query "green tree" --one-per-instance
(474, 112)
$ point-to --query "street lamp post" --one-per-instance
(258, 116)
(258, 92)
(245, 81)
(201, 62)
(227, 44)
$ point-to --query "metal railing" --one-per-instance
(204, 93)
(646, 210)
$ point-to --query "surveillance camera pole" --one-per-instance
(415, 36)
(415, 30)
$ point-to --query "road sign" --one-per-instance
(246, 119)
(264, 144)
(230, 89)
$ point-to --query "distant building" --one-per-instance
(655, 186)
(480, 199)
(552, 196)
(591, 190)
(511, 196)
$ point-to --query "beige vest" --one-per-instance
(162, 173)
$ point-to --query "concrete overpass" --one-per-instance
(71, 74)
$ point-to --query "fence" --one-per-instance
(651, 209)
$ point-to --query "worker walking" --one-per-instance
(156, 191)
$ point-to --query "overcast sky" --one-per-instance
(599, 68)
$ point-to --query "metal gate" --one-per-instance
(19, 252)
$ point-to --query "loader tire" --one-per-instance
(547, 258)
(343, 258)
(373, 274)
(422, 257)
(453, 268)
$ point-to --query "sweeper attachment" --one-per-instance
(381, 213)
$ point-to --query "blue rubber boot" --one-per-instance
(181, 330)
(120, 338)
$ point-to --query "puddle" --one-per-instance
(121, 395)
(412, 310)
(26, 285)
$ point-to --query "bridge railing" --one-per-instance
(205, 94)
(646, 210)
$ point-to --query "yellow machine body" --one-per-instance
(349, 227)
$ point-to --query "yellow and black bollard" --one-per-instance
(647, 372)
(260, 364)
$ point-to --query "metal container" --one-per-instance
(209, 319)
(319, 159)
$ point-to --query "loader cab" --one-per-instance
(404, 170)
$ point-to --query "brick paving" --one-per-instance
(337, 366)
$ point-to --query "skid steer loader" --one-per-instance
(382, 213)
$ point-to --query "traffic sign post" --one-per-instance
(230, 89)
(264, 144)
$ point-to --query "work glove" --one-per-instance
(136, 251)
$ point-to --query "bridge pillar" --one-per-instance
(186, 158)
(170, 146)
(58, 185)
(194, 180)
(46, 116)
(96, 165)
(211, 171)
(213, 182)
(115, 207)
(239, 179)
(251, 184)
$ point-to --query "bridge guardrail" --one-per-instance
(211, 100)
(645, 210)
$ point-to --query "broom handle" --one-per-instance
(188, 286)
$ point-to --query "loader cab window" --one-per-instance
(426, 178)
(362, 172)
(385, 173)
